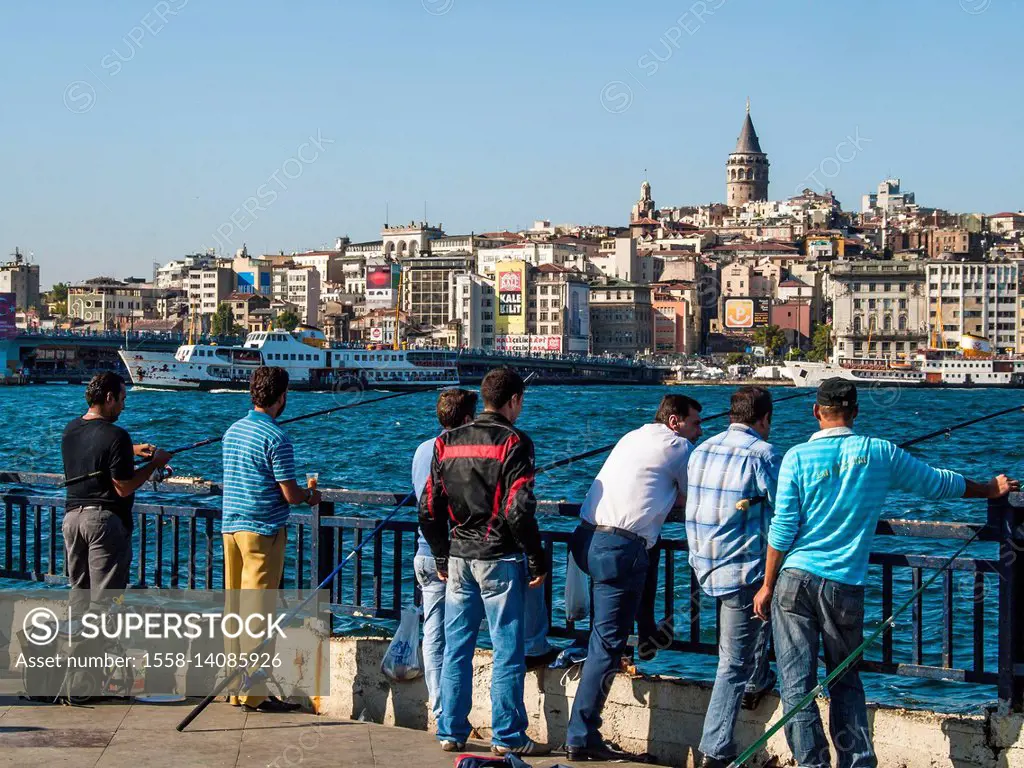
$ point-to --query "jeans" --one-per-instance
(805, 608)
(495, 589)
(618, 568)
(742, 666)
(433, 591)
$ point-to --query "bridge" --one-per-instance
(74, 357)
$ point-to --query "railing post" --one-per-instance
(321, 549)
(1006, 515)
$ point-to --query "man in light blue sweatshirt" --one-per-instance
(830, 493)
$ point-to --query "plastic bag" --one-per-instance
(403, 660)
(577, 592)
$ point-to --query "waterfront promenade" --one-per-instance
(131, 734)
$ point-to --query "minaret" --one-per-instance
(746, 170)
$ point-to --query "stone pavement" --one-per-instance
(131, 734)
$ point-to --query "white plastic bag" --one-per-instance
(577, 592)
(403, 660)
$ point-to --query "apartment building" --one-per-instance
(973, 297)
(299, 286)
(879, 308)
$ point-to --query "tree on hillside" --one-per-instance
(222, 323)
(821, 344)
(287, 320)
(735, 358)
(771, 338)
(59, 292)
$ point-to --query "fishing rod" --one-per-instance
(323, 585)
(888, 623)
(292, 614)
(606, 448)
(217, 439)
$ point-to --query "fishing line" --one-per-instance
(888, 623)
(606, 448)
(292, 614)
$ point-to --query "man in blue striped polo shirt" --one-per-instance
(731, 488)
(259, 486)
(831, 491)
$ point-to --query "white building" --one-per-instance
(300, 286)
(888, 199)
(617, 258)
(474, 309)
(559, 254)
(410, 240)
(974, 298)
(207, 288)
(113, 303)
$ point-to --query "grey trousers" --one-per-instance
(99, 553)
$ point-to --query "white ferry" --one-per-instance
(972, 364)
(310, 361)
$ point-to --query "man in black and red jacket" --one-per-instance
(478, 513)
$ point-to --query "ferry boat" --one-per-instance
(311, 362)
(971, 364)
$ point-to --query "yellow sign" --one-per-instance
(511, 289)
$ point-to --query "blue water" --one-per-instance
(370, 447)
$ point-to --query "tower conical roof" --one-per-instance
(747, 142)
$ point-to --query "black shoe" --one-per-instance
(714, 762)
(601, 753)
(751, 699)
(543, 659)
(274, 705)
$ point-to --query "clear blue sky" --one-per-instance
(120, 152)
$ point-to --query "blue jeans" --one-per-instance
(807, 608)
(495, 589)
(742, 666)
(618, 568)
(433, 591)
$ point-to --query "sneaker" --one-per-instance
(603, 752)
(531, 747)
(447, 745)
(542, 659)
(273, 705)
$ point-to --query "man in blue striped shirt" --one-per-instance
(831, 490)
(731, 481)
(259, 486)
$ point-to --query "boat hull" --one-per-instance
(813, 374)
(162, 370)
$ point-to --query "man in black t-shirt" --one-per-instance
(98, 516)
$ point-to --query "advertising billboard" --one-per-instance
(510, 284)
(8, 307)
(578, 309)
(523, 344)
(746, 313)
(382, 284)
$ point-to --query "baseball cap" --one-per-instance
(837, 392)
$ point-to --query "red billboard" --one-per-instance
(8, 306)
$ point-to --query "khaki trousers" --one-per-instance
(251, 562)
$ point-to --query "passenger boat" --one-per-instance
(312, 364)
(971, 364)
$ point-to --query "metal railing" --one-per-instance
(178, 546)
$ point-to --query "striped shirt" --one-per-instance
(728, 543)
(257, 456)
(831, 491)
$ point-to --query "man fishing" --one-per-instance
(481, 480)
(830, 493)
(732, 480)
(259, 486)
(642, 479)
(456, 407)
(98, 520)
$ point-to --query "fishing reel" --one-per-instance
(161, 474)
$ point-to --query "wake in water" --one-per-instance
(228, 392)
(141, 388)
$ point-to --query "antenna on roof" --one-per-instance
(386, 210)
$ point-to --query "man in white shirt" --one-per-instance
(643, 478)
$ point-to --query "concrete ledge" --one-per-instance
(664, 716)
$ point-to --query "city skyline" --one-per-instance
(147, 128)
